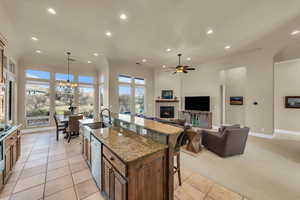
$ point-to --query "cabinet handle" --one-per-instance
(112, 159)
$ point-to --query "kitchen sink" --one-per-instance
(97, 125)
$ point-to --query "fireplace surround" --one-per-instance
(167, 111)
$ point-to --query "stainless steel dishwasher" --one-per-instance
(96, 152)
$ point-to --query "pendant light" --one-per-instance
(68, 84)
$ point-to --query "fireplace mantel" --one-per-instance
(166, 100)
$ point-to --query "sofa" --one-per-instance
(228, 141)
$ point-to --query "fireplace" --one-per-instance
(166, 111)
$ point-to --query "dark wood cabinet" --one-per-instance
(113, 184)
(144, 179)
(8, 163)
(120, 186)
(12, 152)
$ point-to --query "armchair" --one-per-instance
(231, 141)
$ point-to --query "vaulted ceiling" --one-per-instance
(151, 27)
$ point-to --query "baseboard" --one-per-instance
(287, 132)
(32, 130)
(262, 135)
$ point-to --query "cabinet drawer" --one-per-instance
(115, 161)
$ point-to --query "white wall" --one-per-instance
(287, 83)
(131, 69)
(259, 88)
(235, 83)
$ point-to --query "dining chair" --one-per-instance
(59, 126)
(67, 113)
(73, 126)
(176, 153)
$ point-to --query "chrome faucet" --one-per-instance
(109, 115)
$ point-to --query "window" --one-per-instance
(63, 77)
(34, 74)
(125, 99)
(63, 99)
(139, 81)
(131, 95)
(139, 100)
(86, 100)
(37, 103)
(101, 99)
(85, 79)
(124, 79)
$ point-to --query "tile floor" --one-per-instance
(53, 170)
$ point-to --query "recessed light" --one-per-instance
(108, 33)
(168, 49)
(89, 62)
(227, 47)
(188, 58)
(51, 11)
(38, 51)
(123, 16)
(144, 60)
(210, 31)
(164, 66)
(96, 54)
(295, 32)
(34, 38)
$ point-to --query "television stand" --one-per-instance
(201, 119)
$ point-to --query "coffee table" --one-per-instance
(194, 140)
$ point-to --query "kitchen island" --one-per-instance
(129, 159)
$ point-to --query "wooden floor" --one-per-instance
(54, 170)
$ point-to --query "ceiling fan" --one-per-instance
(181, 68)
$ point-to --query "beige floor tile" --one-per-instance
(220, 193)
(34, 193)
(208, 198)
(35, 163)
(37, 156)
(58, 184)
(68, 194)
(33, 171)
(57, 157)
(199, 182)
(81, 176)
(53, 174)
(86, 188)
(14, 176)
(7, 190)
(75, 167)
(188, 192)
(185, 173)
(95, 196)
(29, 182)
(76, 159)
(19, 166)
(57, 164)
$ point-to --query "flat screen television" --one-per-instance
(199, 103)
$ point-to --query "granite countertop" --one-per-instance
(9, 131)
(165, 129)
(126, 144)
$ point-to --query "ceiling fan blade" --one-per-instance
(184, 71)
(191, 68)
(174, 72)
